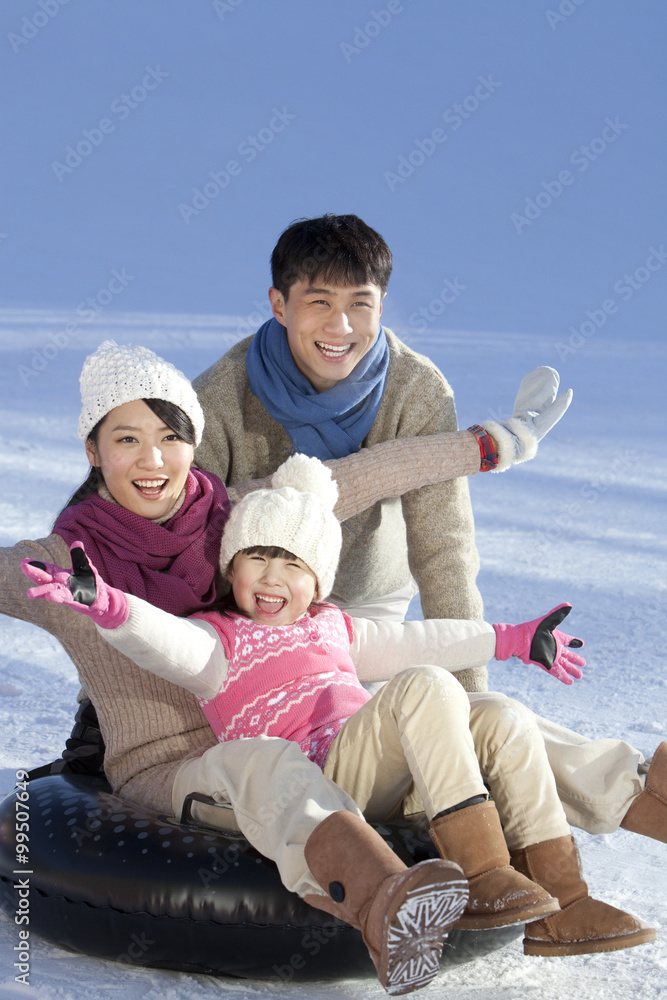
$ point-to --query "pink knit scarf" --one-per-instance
(171, 565)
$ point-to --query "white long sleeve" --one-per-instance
(185, 651)
(381, 650)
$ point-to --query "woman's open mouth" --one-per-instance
(150, 487)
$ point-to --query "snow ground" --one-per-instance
(580, 523)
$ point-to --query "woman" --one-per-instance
(152, 525)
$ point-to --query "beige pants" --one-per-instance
(277, 794)
(597, 780)
(423, 743)
(420, 744)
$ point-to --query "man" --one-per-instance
(323, 377)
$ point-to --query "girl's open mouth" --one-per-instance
(269, 605)
(150, 487)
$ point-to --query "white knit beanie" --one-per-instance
(115, 374)
(296, 515)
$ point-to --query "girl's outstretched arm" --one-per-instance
(382, 649)
(188, 653)
(14, 602)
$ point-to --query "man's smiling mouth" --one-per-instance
(333, 350)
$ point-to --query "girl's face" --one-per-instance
(143, 462)
(271, 591)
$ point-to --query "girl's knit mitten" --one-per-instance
(541, 643)
(82, 588)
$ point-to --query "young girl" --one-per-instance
(278, 662)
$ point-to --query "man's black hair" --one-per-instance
(332, 249)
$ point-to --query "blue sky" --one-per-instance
(279, 110)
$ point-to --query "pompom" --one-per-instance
(307, 475)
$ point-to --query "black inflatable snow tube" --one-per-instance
(107, 878)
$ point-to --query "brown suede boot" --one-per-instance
(648, 813)
(584, 925)
(499, 896)
(404, 914)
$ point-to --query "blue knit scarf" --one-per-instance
(329, 424)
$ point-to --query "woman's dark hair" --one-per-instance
(335, 249)
(173, 416)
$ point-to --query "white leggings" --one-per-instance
(277, 794)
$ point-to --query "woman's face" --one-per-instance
(143, 462)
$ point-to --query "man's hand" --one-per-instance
(537, 408)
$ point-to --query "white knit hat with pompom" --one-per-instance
(296, 515)
(115, 374)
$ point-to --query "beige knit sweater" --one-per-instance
(150, 725)
(429, 533)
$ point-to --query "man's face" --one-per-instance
(329, 327)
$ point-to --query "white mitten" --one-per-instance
(536, 409)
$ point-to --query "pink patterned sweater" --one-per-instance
(300, 682)
(294, 681)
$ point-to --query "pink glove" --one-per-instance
(83, 589)
(541, 643)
